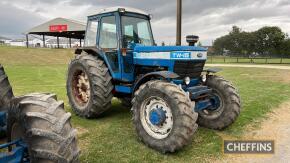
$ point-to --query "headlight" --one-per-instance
(203, 78)
(186, 80)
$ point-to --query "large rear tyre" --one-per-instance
(43, 125)
(6, 93)
(228, 108)
(163, 116)
(89, 86)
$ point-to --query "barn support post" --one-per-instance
(27, 42)
(80, 42)
(57, 38)
(43, 40)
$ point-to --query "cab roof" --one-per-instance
(117, 8)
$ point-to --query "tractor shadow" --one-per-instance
(117, 110)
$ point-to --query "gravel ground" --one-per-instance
(276, 127)
(286, 67)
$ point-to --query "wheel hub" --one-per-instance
(82, 87)
(216, 108)
(215, 101)
(157, 116)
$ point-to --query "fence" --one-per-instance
(217, 59)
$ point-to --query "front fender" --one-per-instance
(212, 70)
(168, 75)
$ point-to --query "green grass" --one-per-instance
(112, 138)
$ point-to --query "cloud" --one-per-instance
(207, 18)
(14, 21)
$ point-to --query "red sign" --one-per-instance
(57, 28)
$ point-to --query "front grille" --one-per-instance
(192, 69)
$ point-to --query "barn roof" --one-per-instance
(60, 27)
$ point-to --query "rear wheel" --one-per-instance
(6, 94)
(163, 116)
(89, 86)
(226, 105)
(43, 125)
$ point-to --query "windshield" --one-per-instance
(136, 30)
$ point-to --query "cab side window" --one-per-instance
(108, 33)
(91, 34)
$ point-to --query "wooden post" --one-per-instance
(80, 42)
(43, 39)
(179, 22)
(27, 41)
(57, 38)
(69, 42)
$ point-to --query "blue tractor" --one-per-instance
(167, 87)
(36, 127)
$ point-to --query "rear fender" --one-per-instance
(97, 53)
(90, 50)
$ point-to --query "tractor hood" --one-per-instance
(170, 52)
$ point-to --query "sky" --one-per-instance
(209, 19)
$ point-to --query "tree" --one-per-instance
(199, 44)
(267, 41)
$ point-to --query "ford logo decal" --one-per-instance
(199, 55)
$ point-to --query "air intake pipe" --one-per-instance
(192, 40)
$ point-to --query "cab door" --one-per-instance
(108, 42)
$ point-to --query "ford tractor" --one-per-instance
(168, 88)
(36, 127)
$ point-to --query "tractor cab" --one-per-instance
(116, 32)
(124, 37)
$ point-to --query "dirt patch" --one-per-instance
(276, 127)
(81, 131)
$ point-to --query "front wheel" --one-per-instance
(226, 104)
(163, 116)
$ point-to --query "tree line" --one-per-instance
(265, 42)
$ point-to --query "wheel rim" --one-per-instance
(156, 117)
(81, 87)
(218, 108)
